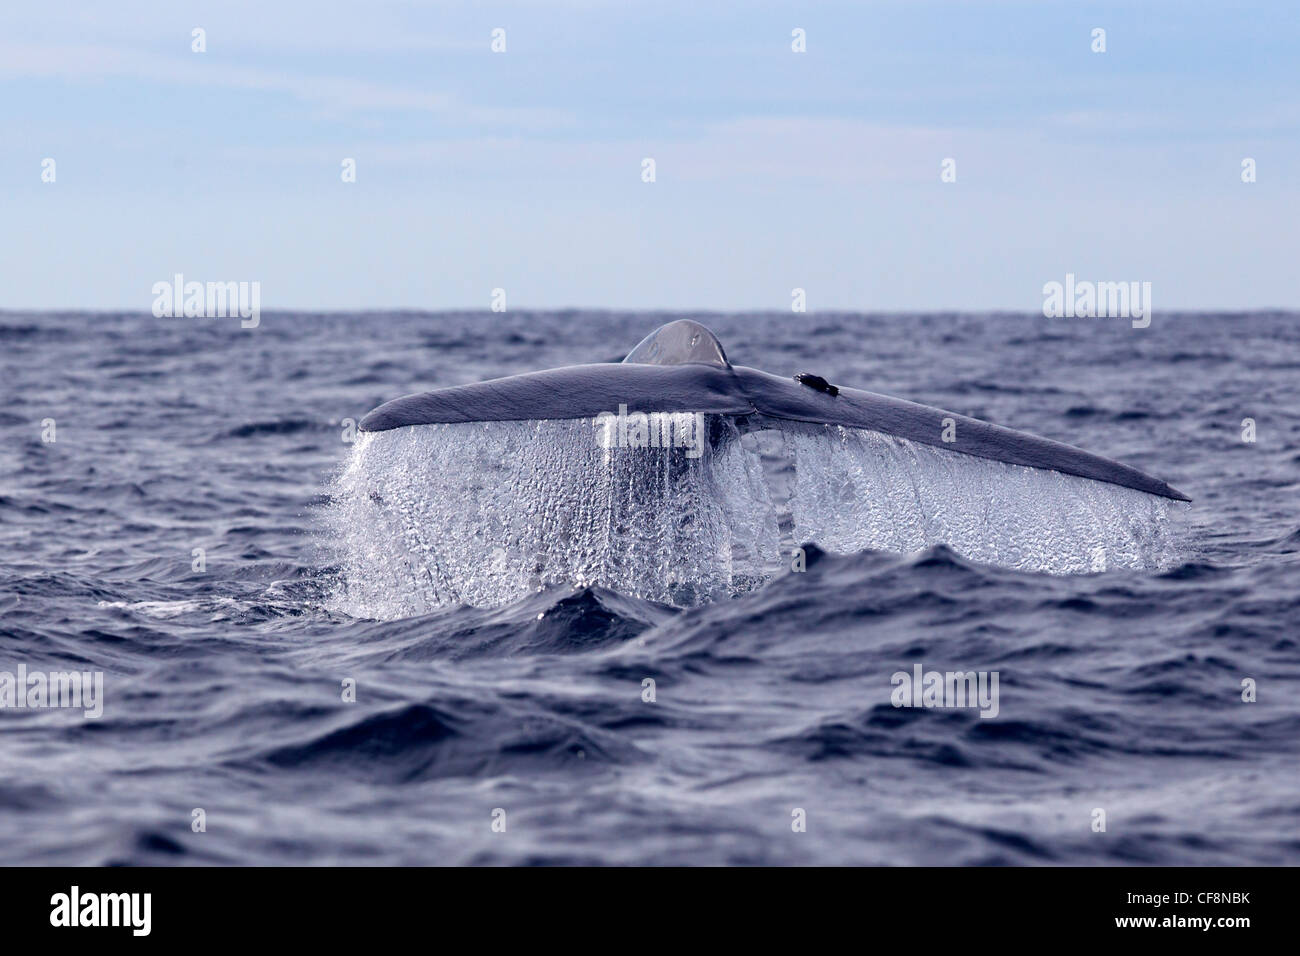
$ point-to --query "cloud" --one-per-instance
(93, 63)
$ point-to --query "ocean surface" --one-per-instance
(183, 535)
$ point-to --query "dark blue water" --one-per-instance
(1119, 691)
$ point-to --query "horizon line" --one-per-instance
(639, 310)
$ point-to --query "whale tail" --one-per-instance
(679, 477)
(682, 367)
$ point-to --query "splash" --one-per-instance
(857, 489)
(483, 513)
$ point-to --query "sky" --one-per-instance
(522, 170)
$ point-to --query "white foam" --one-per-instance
(168, 609)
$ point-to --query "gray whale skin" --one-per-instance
(682, 367)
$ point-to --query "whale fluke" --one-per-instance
(682, 367)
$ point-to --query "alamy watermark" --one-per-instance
(130, 910)
(209, 300)
(657, 430)
(923, 688)
(1087, 300)
(42, 689)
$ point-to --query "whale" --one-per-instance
(682, 367)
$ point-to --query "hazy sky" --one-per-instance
(775, 170)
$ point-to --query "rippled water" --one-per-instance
(1119, 690)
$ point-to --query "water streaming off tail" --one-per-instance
(857, 489)
(482, 513)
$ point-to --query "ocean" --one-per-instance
(170, 518)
